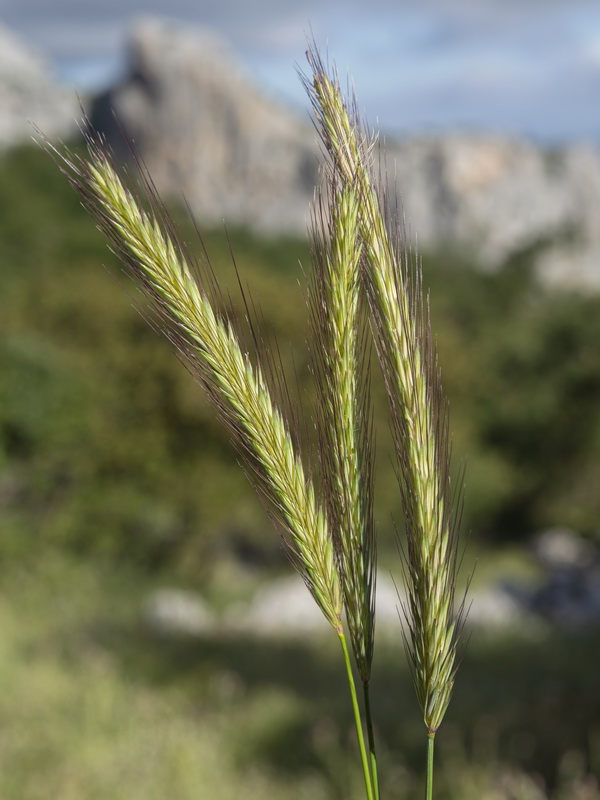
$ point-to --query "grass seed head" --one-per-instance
(147, 243)
(400, 319)
(344, 416)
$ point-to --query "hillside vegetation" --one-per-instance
(107, 446)
(115, 478)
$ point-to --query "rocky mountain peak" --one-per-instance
(204, 130)
(28, 93)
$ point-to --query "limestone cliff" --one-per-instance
(204, 130)
(28, 93)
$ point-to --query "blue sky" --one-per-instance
(529, 67)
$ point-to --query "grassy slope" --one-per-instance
(95, 706)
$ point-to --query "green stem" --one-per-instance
(429, 787)
(371, 737)
(357, 719)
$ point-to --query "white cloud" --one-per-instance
(591, 51)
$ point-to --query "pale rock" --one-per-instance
(494, 607)
(570, 594)
(29, 94)
(500, 197)
(285, 607)
(204, 131)
(178, 612)
(560, 548)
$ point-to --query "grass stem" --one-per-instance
(357, 719)
(371, 740)
(429, 784)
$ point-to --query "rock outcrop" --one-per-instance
(205, 131)
(28, 93)
(502, 197)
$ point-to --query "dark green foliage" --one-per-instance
(522, 368)
(107, 446)
(106, 443)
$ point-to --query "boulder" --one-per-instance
(284, 607)
(570, 593)
(178, 612)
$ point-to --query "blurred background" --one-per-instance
(155, 642)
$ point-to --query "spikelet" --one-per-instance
(148, 246)
(419, 414)
(344, 413)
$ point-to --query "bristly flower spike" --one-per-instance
(146, 242)
(344, 416)
(419, 413)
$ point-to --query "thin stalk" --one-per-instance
(371, 739)
(357, 719)
(429, 784)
